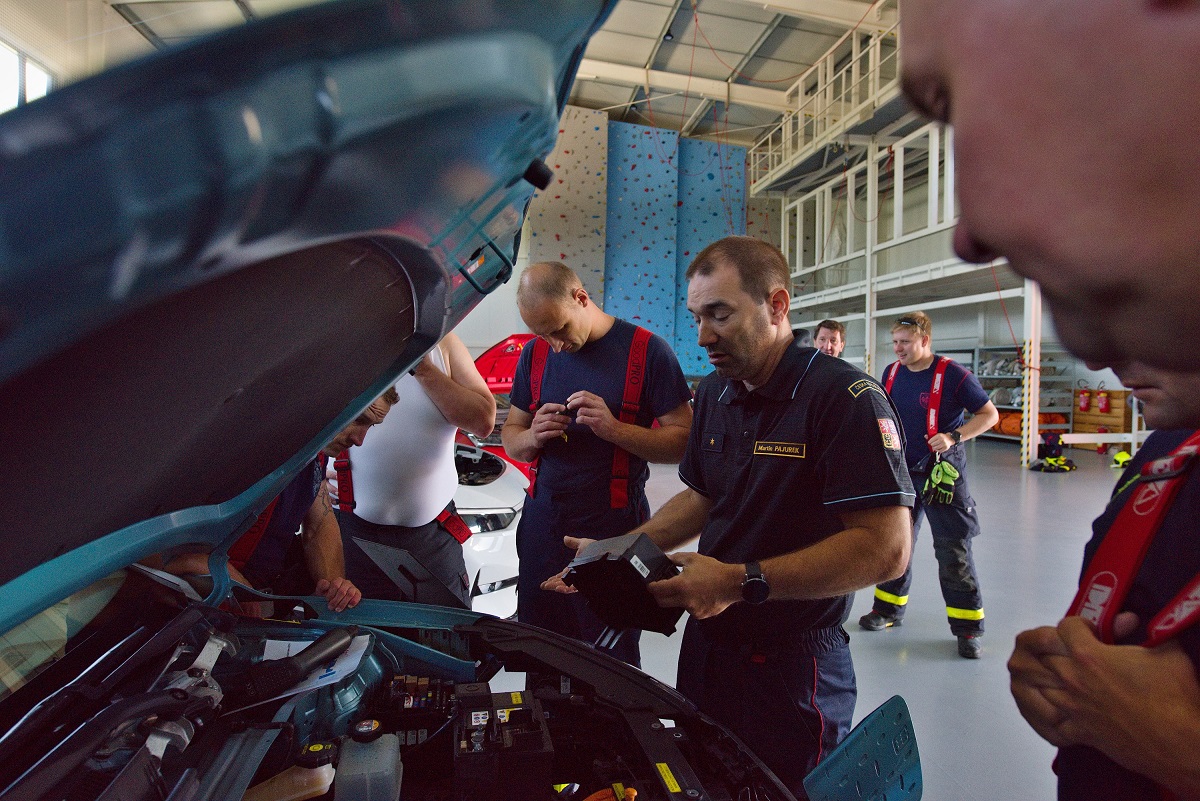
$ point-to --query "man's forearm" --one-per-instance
(678, 521)
(461, 406)
(873, 548)
(519, 442)
(322, 539)
(663, 445)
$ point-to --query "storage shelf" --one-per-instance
(1061, 362)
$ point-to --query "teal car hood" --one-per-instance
(214, 258)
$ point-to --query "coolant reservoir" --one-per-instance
(369, 771)
(294, 784)
(310, 777)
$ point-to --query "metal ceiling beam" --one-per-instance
(666, 26)
(136, 23)
(751, 52)
(245, 8)
(726, 92)
(846, 13)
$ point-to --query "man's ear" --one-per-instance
(780, 303)
(580, 296)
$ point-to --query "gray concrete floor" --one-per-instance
(974, 745)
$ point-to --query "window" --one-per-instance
(21, 79)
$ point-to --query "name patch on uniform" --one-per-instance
(862, 385)
(713, 442)
(891, 436)
(793, 449)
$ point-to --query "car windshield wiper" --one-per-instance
(78, 700)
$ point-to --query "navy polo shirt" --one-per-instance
(599, 367)
(1172, 560)
(961, 392)
(779, 464)
(269, 558)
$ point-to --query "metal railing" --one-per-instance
(843, 88)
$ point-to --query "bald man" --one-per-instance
(585, 399)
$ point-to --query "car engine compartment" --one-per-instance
(176, 701)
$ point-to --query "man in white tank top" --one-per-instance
(404, 476)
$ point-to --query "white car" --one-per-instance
(490, 496)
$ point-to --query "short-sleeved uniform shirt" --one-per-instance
(268, 559)
(779, 464)
(584, 459)
(911, 390)
(1172, 560)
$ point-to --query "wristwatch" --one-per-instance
(755, 588)
(956, 435)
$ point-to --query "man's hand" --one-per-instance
(549, 423)
(940, 443)
(1139, 706)
(555, 583)
(705, 588)
(340, 593)
(1112, 695)
(591, 410)
(1030, 677)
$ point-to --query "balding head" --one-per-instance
(547, 281)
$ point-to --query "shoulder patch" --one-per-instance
(862, 385)
(889, 432)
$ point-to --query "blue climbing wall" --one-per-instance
(639, 263)
(711, 205)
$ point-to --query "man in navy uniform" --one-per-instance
(932, 393)
(797, 489)
(585, 398)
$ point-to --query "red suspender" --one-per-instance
(935, 391)
(454, 524)
(935, 396)
(345, 493)
(1116, 562)
(537, 371)
(890, 378)
(635, 375)
(241, 551)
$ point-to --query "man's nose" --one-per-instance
(358, 434)
(704, 335)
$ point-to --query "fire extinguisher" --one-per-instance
(1101, 448)
(1085, 399)
(1102, 403)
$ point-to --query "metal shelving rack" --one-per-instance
(1056, 377)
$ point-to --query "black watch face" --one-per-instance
(755, 590)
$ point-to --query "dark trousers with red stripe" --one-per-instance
(790, 700)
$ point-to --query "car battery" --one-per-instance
(613, 573)
(502, 745)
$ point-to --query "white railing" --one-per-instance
(843, 88)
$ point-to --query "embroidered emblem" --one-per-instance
(862, 385)
(891, 435)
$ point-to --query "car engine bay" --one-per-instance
(183, 701)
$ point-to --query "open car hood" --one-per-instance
(214, 258)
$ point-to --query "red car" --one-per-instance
(498, 365)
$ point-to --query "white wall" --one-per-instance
(71, 38)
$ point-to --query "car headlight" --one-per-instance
(479, 522)
(492, 586)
